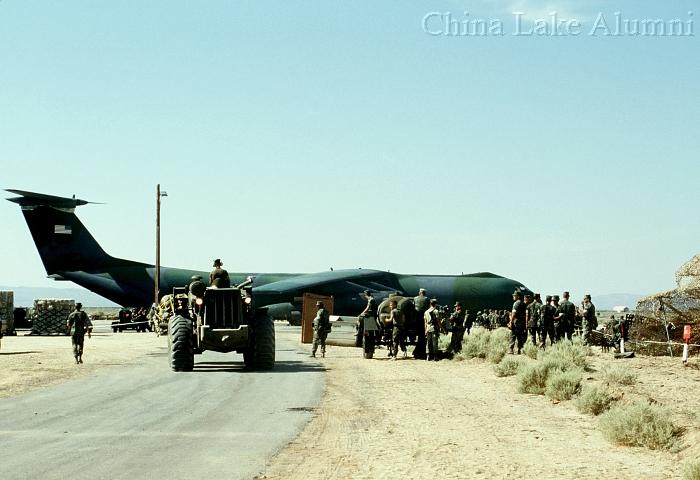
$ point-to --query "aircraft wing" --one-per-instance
(350, 281)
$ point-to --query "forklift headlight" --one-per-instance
(199, 301)
(248, 300)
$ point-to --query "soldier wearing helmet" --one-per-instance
(321, 326)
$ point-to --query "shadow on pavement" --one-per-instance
(280, 367)
(17, 353)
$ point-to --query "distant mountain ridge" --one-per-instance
(607, 302)
(25, 296)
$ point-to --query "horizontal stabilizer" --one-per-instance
(32, 199)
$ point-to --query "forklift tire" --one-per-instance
(264, 344)
(180, 345)
(367, 346)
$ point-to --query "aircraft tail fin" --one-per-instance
(63, 242)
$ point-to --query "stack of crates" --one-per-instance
(7, 313)
(50, 316)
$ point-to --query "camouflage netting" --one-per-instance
(161, 315)
(50, 316)
(6, 311)
(669, 312)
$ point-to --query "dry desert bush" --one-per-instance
(508, 367)
(641, 424)
(593, 400)
(530, 349)
(691, 471)
(563, 385)
(619, 375)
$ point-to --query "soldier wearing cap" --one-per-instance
(219, 277)
(367, 325)
(78, 324)
(421, 303)
(321, 326)
(533, 316)
(432, 329)
(398, 333)
(518, 333)
(566, 314)
(457, 318)
(547, 327)
(589, 320)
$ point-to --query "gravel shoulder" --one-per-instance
(417, 419)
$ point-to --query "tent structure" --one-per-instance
(660, 318)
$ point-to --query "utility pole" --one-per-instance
(156, 277)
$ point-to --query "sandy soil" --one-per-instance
(31, 362)
(415, 419)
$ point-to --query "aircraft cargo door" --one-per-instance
(308, 313)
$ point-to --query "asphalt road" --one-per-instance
(144, 421)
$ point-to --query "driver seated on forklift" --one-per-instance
(219, 277)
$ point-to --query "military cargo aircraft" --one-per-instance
(69, 252)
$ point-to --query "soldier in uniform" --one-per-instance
(432, 329)
(321, 326)
(589, 320)
(421, 303)
(533, 316)
(566, 314)
(457, 319)
(517, 322)
(398, 333)
(468, 321)
(219, 277)
(547, 326)
(367, 325)
(78, 324)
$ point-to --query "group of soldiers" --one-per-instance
(556, 318)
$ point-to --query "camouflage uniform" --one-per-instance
(432, 331)
(589, 322)
(458, 320)
(517, 325)
(534, 320)
(421, 303)
(398, 333)
(547, 325)
(78, 324)
(322, 326)
(567, 310)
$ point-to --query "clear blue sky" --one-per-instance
(313, 134)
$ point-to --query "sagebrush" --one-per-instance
(563, 385)
(593, 400)
(691, 471)
(641, 424)
(619, 375)
(508, 367)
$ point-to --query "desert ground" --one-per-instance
(418, 419)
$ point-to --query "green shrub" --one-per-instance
(571, 354)
(691, 471)
(508, 367)
(533, 378)
(593, 400)
(499, 342)
(619, 375)
(639, 425)
(530, 349)
(562, 385)
(444, 342)
(476, 344)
